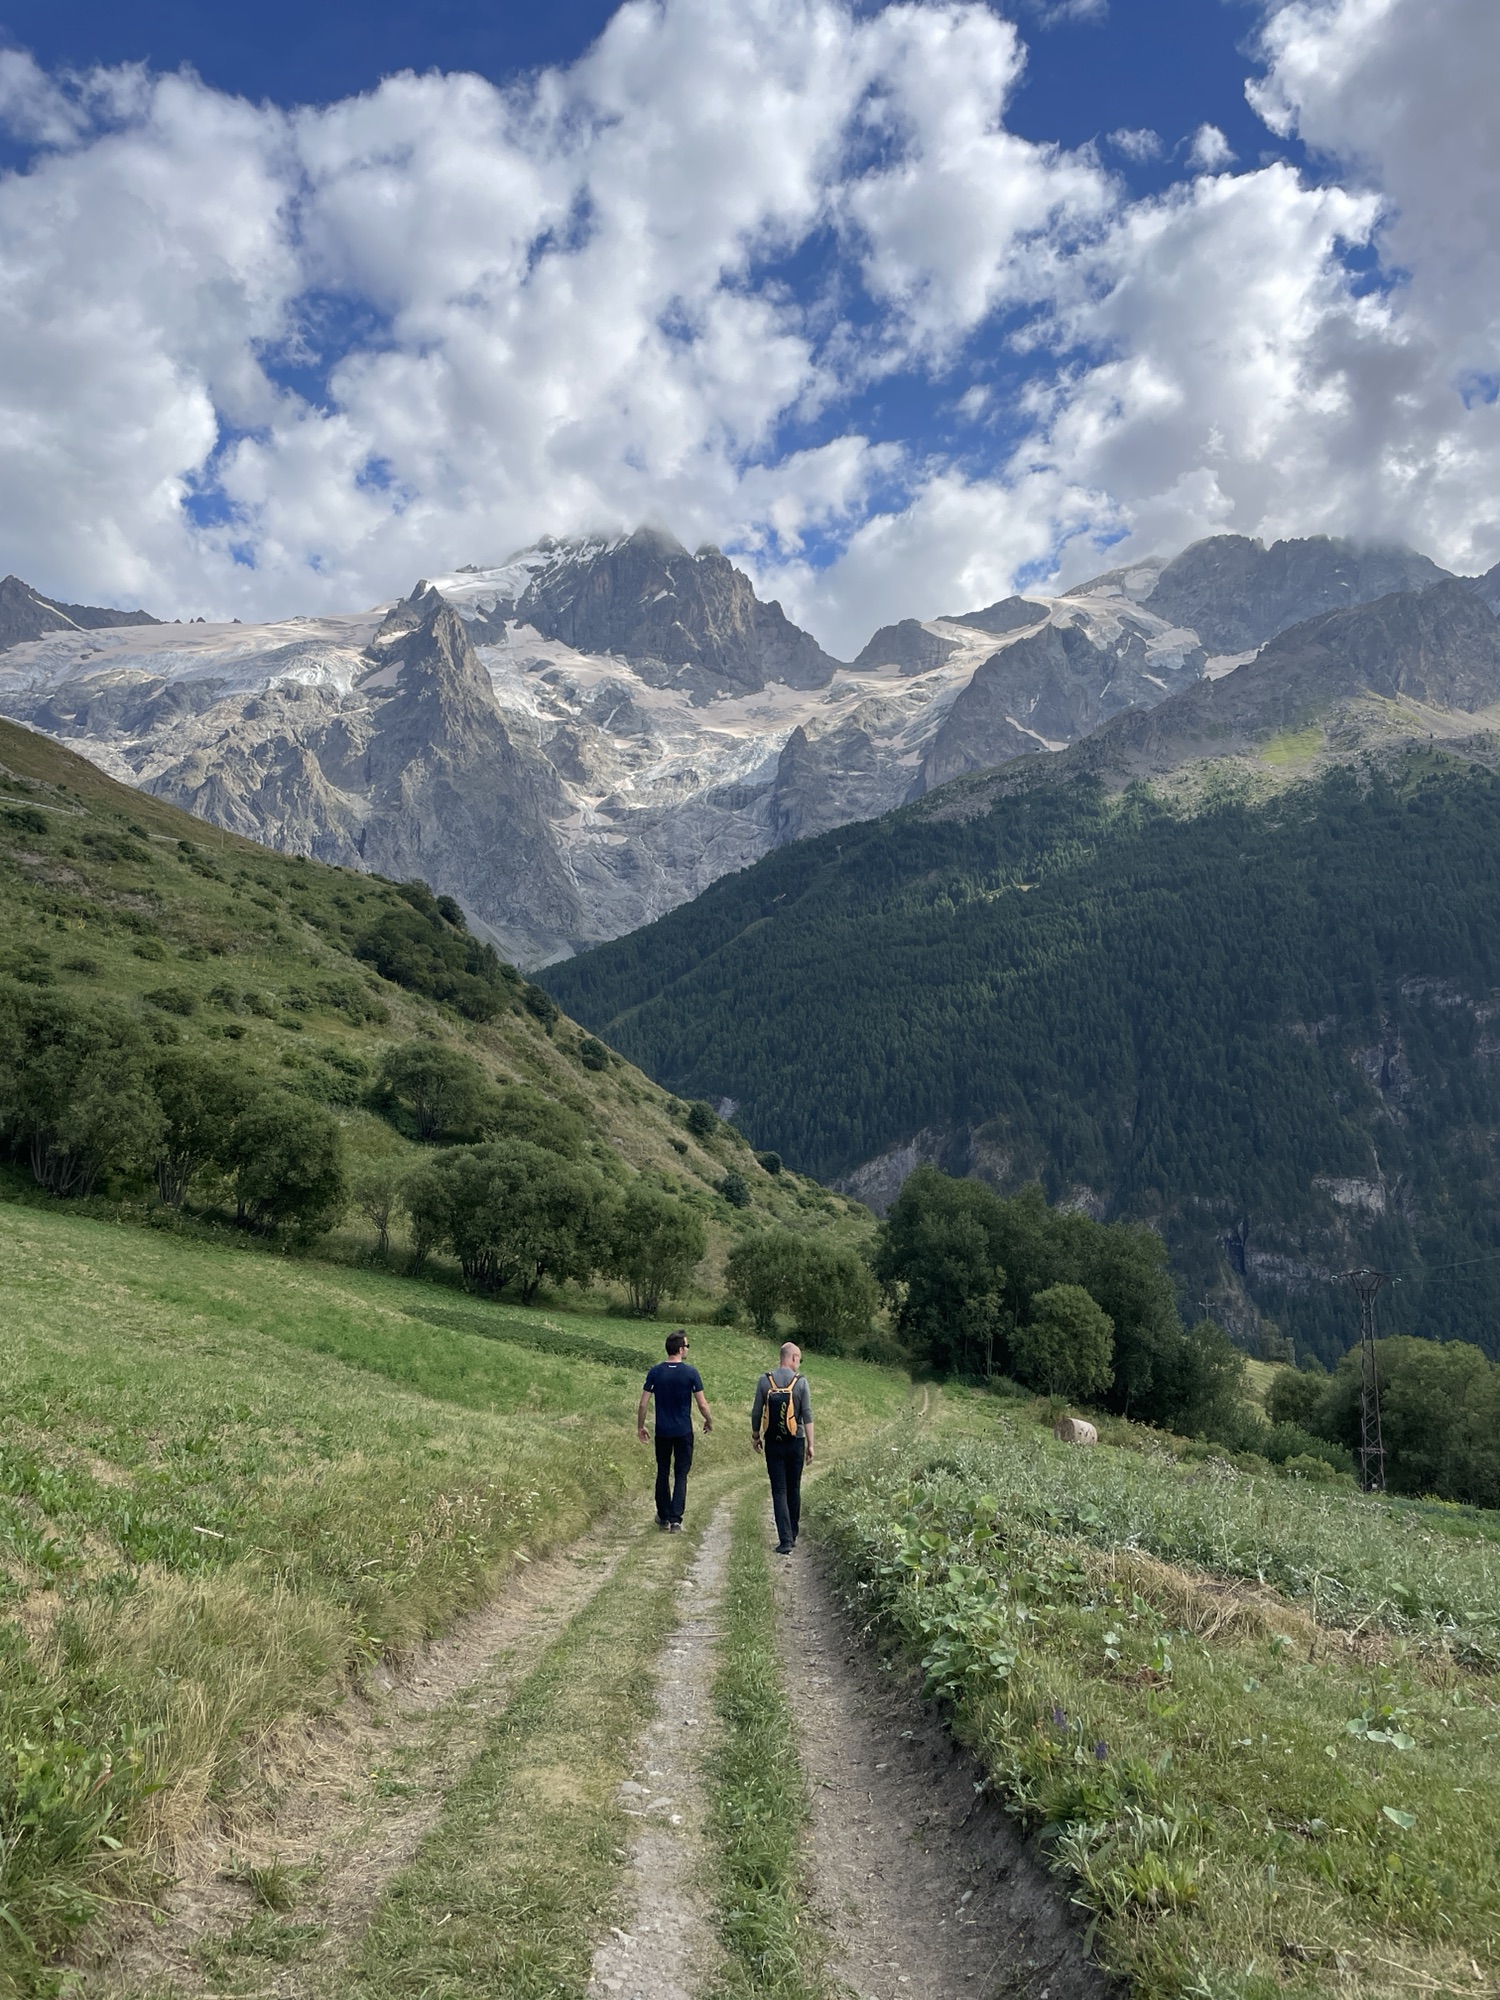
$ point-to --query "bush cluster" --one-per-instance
(87, 1092)
(982, 1284)
(827, 1288)
(426, 947)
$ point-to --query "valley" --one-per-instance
(340, 1653)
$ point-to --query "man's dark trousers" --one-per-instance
(671, 1492)
(784, 1463)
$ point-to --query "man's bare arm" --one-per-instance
(640, 1416)
(702, 1401)
(807, 1433)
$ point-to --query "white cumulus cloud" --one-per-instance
(254, 361)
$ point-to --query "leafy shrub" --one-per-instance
(702, 1120)
(511, 1212)
(540, 1003)
(1066, 1347)
(655, 1243)
(516, 1111)
(444, 1093)
(770, 1161)
(286, 1157)
(827, 1287)
(199, 1100)
(760, 1274)
(1294, 1395)
(592, 1053)
(735, 1190)
(75, 1097)
(172, 1000)
(377, 1192)
(833, 1295)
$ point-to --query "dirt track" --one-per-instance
(927, 1888)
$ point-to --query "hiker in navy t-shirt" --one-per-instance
(676, 1386)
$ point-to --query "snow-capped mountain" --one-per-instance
(577, 740)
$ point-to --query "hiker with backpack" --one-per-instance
(676, 1386)
(781, 1426)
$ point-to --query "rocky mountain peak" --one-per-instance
(1236, 593)
(908, 646)
(25, 614)
(685, 621)
(1009, 614)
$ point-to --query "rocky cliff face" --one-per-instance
(1058, 682)
(1408, 667)
(690, 622)
(578, 740)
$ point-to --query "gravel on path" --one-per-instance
(667, 1948)
(929, 1890)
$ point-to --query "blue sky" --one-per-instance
(1170, 65)
(900, 303)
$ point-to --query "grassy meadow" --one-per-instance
(231, 1480)
(1253, 1721)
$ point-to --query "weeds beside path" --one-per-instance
(926, 1889)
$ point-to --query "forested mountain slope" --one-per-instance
(1264, 1026)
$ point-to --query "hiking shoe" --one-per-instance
(675, 1526)
(783, 1548)
(663, 1525)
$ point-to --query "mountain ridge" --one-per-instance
(650, 724)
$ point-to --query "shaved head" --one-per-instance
(791, 1354)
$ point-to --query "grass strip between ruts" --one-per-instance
(508, 1893)
(758, 1812)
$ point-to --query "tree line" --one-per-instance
(981, 1284)
(90, 1094)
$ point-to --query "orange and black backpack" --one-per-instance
(781, 1409)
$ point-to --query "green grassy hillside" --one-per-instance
(205, 943)
(1259, 1023)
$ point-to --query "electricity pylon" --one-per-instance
(1371, 1444)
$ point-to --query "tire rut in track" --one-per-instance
(665, 1949)
(928, 1889)
(357, 1791)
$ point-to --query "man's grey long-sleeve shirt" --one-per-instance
(801, 1397)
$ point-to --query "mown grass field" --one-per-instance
(1254, 1722)
(230, 1480)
